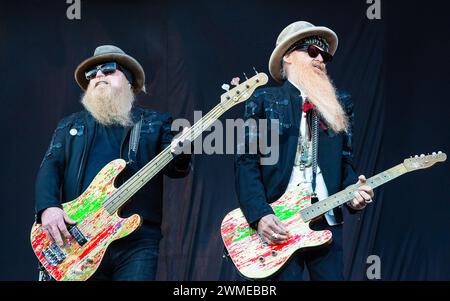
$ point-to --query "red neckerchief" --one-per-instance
(309, 109)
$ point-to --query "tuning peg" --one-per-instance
(235, 81)
(226, 87)
(245, 75)
(256, 72)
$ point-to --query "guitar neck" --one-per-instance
(227, 100)
(337, 199)
(139, 179)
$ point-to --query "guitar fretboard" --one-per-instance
(139, 179)
(347, 194)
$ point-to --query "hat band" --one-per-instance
(312, 40)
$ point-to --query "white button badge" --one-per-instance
(73, 132)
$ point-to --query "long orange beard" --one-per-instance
(321, 92)
(109, 105)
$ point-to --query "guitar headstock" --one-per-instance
(424, 161)
(243, 91)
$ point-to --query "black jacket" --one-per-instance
(258, 185)
(60, 176)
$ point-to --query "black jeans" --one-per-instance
(323, 264)
(132, 258)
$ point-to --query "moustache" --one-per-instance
(319, 65)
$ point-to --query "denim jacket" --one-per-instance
(258, 185)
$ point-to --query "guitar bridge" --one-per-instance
(54, 255)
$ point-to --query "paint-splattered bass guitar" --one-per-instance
(96, 211)
(256, 259)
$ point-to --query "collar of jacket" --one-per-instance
(290, 88)
(136, 114)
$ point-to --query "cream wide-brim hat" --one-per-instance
(293, 33)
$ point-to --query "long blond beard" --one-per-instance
(109, 105)
(321, 92)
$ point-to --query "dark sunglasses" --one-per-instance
(108, 68)
(314, 51)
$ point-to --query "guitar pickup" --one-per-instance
(54, 255)
(77, 235)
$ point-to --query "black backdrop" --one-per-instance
(395, 69)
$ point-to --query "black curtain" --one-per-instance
(395, 69)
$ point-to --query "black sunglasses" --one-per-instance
(314, 51)
(108, 68)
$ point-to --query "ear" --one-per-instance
(287, 58)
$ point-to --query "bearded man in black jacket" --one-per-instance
(299, 62)
(86, 141)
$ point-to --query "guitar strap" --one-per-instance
(315, 146)
(134, 141)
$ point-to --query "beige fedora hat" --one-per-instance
(293, 33)
(108, 53)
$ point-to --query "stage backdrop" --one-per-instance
(395, 68)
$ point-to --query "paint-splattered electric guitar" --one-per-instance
(256, 259)
(96, 211)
